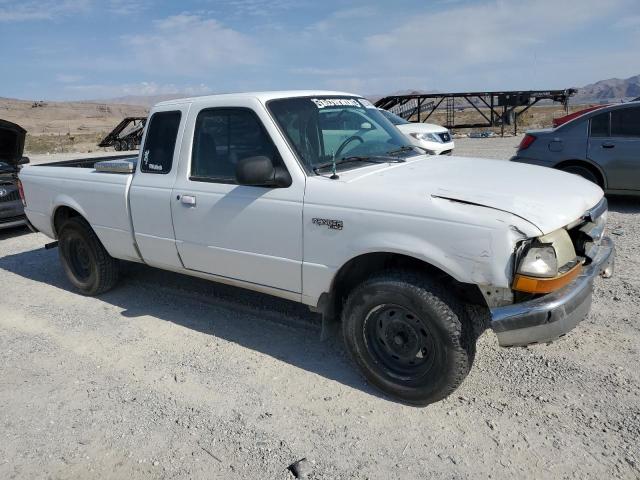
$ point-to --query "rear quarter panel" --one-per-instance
(552, 147)
(99, 197)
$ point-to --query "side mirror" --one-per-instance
(366, 126)
(23, 161)
(260, 172)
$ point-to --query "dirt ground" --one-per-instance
(171, 377)
(58, 127)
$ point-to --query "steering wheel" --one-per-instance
(347, 142)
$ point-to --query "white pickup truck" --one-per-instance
(415, 255)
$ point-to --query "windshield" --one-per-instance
(393, 118)
(322, 129)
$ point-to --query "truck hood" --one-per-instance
(547, 198)
(420, 128)
(12, 138)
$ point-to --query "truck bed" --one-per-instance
(86, 162)
(100, 197)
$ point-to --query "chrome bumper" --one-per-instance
(553, 315)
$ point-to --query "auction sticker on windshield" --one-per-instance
(336, 102)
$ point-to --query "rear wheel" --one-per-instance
(584, 172)
(117, 146)
(410, 338)
(85, 261)
(131, 144)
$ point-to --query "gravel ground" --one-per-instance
(494, 147)
(173, 377)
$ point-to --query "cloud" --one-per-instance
(136, 89)
(257, 8)
(128, 7)
(347, 15)
(22, 11)
(186, 45)
(486, 33)
(629, 21)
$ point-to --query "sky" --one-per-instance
(95, 49)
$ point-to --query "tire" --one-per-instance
(131, 144)
(85, 261)
(116, 146)
(409, 336)
(584, 172)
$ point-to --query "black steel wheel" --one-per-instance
(411, 338)
(85, 261)
(79, 258)
(400, 341)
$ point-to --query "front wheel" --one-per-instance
(85, 261)
(411, 339)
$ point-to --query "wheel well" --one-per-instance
(581, 163)
(358, 269)
(61, 215)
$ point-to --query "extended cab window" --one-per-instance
(600, 125)
(157, 155)
(222, 138)
(625, 122)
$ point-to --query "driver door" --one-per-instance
(246, 233)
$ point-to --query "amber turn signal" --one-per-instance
(522, 283)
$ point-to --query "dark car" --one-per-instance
(12, 138)
(602, 145)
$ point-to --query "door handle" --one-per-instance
(188, 200)
(608, 145)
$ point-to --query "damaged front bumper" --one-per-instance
(548, 317)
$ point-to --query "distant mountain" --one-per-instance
(612, 90)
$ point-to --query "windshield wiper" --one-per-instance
(358, 158)
(404, 148)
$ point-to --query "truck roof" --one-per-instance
(262, 96)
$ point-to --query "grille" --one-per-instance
(10, 197)
(586, 236)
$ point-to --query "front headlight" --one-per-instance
(546, 263)
(539, 261)
(429, 137)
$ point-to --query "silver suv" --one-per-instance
(603, 146)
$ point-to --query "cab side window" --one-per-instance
(600, 125)
(160, 142)
(625, 122)
(222, 138)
